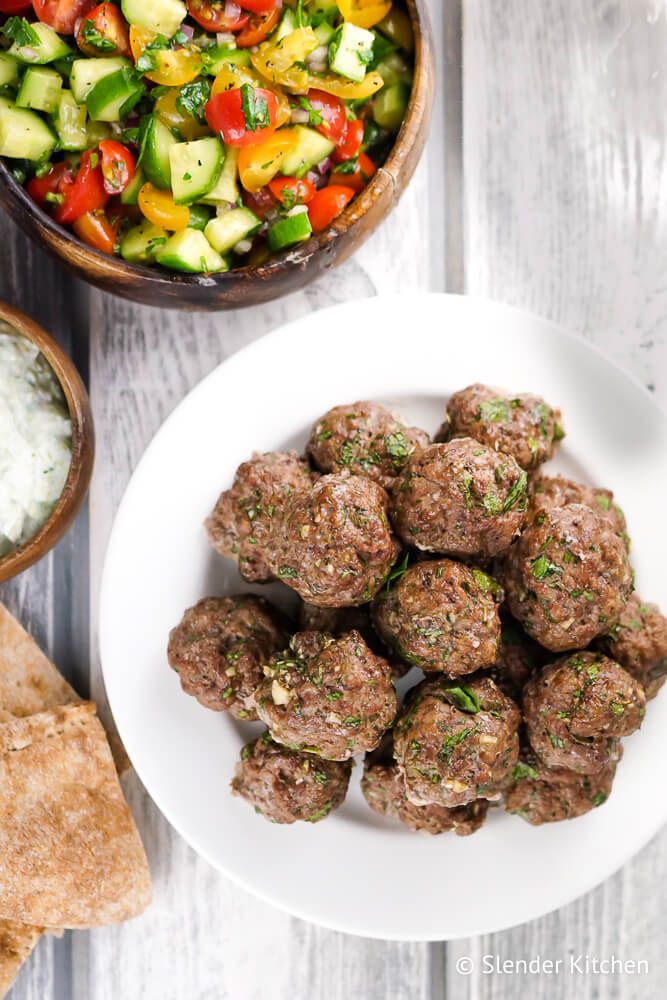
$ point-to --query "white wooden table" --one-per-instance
(545, 186)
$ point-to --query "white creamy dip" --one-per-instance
(35, 439)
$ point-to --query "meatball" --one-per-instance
(331, 697)
(517, 659)
(547, 492)
(567, 578)
(333, 543)
(365, 439)
(578, 708)
(454, 744)
(521, 425)
(240, 523)
(639, 643)
(461, 499)
(220, 647)
(337, 621)
(285, 785)
(442, 616)
(544, 795)
(384, 790)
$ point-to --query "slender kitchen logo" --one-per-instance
(573, 965)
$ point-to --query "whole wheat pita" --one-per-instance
(70, 854)
(16, 943)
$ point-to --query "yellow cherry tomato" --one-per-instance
(187, 127)
(346, 89)
(159, 208)
(173, 67)
(260, 164)
(364, 13)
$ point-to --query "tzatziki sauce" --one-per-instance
(35, 439)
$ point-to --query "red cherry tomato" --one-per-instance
(332, 113)
(217, 16)
(261, 6)
(95, 229)
(327, 204)
(14, 6)
(258, 28)
(86, 192)
(357, 180)
(225, 114)
(61, 15)
(291, 191)
(118, 166)
(350, 141)
(49, 184)
(103, 32)
(260, 202)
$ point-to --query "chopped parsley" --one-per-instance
(287, 572)
(18, 30)
(542, 568)
(464, 699)
(94, 38)
(521, 770)
(450, 743)
(494, 410)
(485, 582)
(314, 116)
(255, 109)
(398, 570)
(517, 492)
(192, 98)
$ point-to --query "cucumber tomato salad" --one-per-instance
(201, 135)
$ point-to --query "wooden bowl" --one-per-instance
(284, 273)
(83, 447)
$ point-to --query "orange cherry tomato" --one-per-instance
(173, 67)
(259, 164)
(327, 204)
(291, 191)
(103, 32)
(61, 15)
(350, 141)
(258, 28)
(95, 229)
(160, 209)
(364, 13)
(359, 178)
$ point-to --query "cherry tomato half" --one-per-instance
(228, 114)
(118, 165)
(258, 28)
(291, 191)
(95, 229)
(86, 192)
(103, 32)
(260, 202)
(217, 16)
(332, 113)
(160, 209)
(49, 184)
(350, 141)
(61, 15)
(261, 6)
(327, 204)
(359, 178)
(14, 6)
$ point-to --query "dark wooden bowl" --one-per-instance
(83, 447)
(283, 273)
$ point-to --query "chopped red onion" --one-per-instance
(187, 29)
(299, 116)
(325, 165)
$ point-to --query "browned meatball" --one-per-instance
(567, 578)
(285, 785)
(219, 648)
(521, 425)
(460, 498)
(333, 543)
(338, 621)
(240, 523)
(578, 708)
(365, 439)
(639, 643)
(548, 795)
(384, 790)
(547, 492)
(332, 697)
(456, 743)
(517, 659)
(441, 615)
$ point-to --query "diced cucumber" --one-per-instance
(195, 168)
(97, 132)
(86, 73)
(324, 32)
(226, 189)
(323, 9)
(190, 251)
(40, 89)
(351, 51)
(288, 231)
(200, 216)
(390, 106)
(141, 243)
(310, 149)
(156, 143)
(9, 69)
(222, 55)
(47, 46)
(161, 16)
(24, 135)
(286, 27)
(114, 96)
(226, 230)
(397, 27)
(70, 122)
(130, 196)
(394, 69)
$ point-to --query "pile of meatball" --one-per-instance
(509, 590)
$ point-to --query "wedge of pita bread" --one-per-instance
(16, 943)
(70, 854)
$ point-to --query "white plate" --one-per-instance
(357, 872)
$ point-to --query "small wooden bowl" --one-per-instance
(83, 447)
(284, 273)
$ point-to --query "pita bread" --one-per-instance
(70, 854)
(16, 943)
